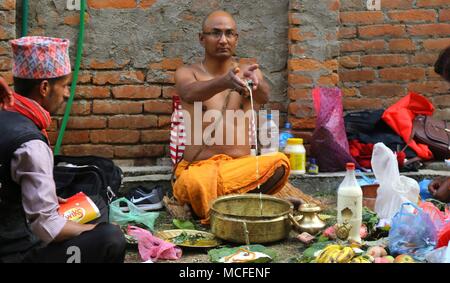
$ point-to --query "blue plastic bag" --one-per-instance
(135, 215)
(412, 233)
(424, 193)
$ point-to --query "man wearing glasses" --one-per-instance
(219, 83)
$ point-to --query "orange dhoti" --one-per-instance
(204, 181)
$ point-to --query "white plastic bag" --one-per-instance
(394, 189)
(441, 255)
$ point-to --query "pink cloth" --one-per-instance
(153, 248)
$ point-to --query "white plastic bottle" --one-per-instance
(296, 153)
(349, 203)
(269, 136)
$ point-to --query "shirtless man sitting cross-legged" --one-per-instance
(210, 170)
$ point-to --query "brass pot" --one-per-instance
(251, 218)
(309, 220)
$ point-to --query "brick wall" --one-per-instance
(7, 32)
(132, 48)
(384, 54)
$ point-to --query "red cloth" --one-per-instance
(361, 152)
(400, 117)
(32, 110)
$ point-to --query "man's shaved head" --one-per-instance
(215, 15)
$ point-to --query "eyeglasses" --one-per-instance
(219, 33)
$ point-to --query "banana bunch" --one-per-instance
(361, 259)
(335, 254)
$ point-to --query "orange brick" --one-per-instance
(107, 64)
(169, 92)
(88, 149)
(381, 30)
(164, 120)
(301, 109)
(155, 136)
(436, 44)
(302, 123)
(136, 92)
(331, 65)
(362, 17)
(117, 77)
(349, 62)
(296, 34)
(424, 58)
(383, 60)
(382, 90)
(161, 77)
(84, 77)
(5, 63)
(362, 103)
(431, 3)
(132, 121)
(401, 74)
(168, 64)
(401, 45)
(360, 45)
(296, 49)
(430, 87)
(429, 29)
(415, 15)
(158, 106)
(444, 15)
(357, 75)
(350, 92)
(347, 32)
(8, 4)
(92, 122)
(80, 107)
(332, 79)
(442, 100)
(397, 4)
(294, 93)
(294, 79)
(122, 4)
(114, 136)
(83, 91)
(304, 65)
(74, 20)
(295, 18)
(116, 107)
(76, 137)
(6, 33)
(139, 151)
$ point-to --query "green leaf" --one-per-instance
(185, 225)
(216, 254)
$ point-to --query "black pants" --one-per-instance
(105, 243)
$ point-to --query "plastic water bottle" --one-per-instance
(285, 135)
(269, 136)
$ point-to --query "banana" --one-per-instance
(345, 255)
(334, 254)
(324, 255)
(360, 259)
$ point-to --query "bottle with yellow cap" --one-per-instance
(296, 153)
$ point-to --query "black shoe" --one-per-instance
(145, 199)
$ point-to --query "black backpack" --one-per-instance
(93, 175)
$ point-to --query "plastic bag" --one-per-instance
(440, 255)
(444, 236)
(153, 248)
(394, 189)
(412, 233)
(438, 217)
(329, 143)
(135, 215)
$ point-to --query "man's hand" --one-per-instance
(61, 200)
(234, 81)
(250, 73)
(6, 94)
(440, 189)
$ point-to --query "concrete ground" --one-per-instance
(322, 186)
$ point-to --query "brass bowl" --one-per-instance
(240, 219)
